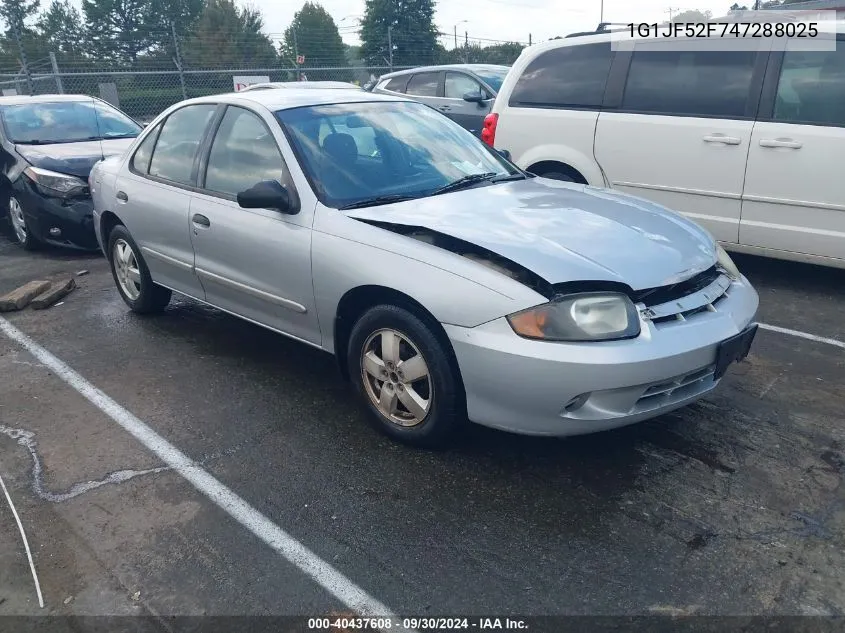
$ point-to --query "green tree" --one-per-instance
(16, 13)
(120, 30)
(227, 36)
(407, 24)
(59, 27)
(174, 15)
(313, 34)
(693, 16)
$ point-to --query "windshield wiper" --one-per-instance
(462, 183)
(509, 177)
(107, 137)
(378, 200)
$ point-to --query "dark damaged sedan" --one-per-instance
(48, 145)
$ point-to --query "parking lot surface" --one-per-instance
(732, 506)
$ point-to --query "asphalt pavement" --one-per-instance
(734, 505)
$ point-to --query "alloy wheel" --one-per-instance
(126, 269)
(396, 377)
(18, 221)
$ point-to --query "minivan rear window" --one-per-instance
(566, 77)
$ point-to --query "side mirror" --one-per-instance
(474, 97)
(268, 194)
(505, 153)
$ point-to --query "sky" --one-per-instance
(511, 20)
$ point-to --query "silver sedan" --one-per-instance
(449, 284)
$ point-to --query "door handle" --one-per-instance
(122, 196)
(201, 220)
(721, 138)
(777, 142)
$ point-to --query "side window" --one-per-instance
(690, 82)
(397, 84)
(424, 85)
(141, 159)
(570, 76)
(180, 138)
(458, 84)
(243, 153)
(812, 87)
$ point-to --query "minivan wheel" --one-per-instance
(20, 229)
(405, 376)
(132, 276)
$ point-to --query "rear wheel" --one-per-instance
(405, 376)
(132, 276)
(20, 229)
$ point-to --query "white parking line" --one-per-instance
(804, 335)
(283, 543)
(25, 544)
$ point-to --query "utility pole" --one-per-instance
(390, 47)
(24, 65)
(456, 37)
(601, 13)
(671, 12)
(529, 39)
(55, 64)
(176, 60)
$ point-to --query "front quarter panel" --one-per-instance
(348, 253)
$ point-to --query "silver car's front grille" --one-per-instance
(681, 309)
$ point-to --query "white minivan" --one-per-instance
(750, 144)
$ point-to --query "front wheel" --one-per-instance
(406, 376)
(20, 228)
(132, 276)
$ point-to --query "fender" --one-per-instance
(585, 164)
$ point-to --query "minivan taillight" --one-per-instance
(488, 133)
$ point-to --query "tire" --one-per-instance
(441, 390)
(557, 175)
(20, 229)
(133, 280)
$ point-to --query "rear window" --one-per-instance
(424, 85)
(397, 84)
(566, 77)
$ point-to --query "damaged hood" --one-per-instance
(564, 232)
(75, 159)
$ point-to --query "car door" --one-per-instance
(427, 87)
(255, 263)
(794, 199)
(677, 131)
(468, 114)
(153, 195)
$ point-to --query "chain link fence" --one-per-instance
(144, 94)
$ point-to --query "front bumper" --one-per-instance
(544, 388)
(54, 220)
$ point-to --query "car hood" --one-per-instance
(75, 159)
(564, 232)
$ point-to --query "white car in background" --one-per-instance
(271, 85)
(749, 144)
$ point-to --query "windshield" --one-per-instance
(493, 77)
(360, 151)
(66, 122)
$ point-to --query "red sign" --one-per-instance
(300, 59)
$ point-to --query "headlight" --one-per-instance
(54, 182)
(726, 263)
(595, 316)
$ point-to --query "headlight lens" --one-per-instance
(583, 317)
(726, 263)
(62, 184)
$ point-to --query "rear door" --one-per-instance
(681, 132)
(468, 114)
(427, 87)
(794, 199)
(154, 194)
(255, 263)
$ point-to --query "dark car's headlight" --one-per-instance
(55, 183)
(594, 316)
(726, 263)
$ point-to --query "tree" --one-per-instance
(407, 24)
(227, 36)
(58, 27)
(15, 14)
(120, 30)
(693, 16)
(174, 15)
(313, 34)
(737, 7)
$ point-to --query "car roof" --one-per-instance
(308, 85)
(295, 97)
(469, 67)
(49, 98)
